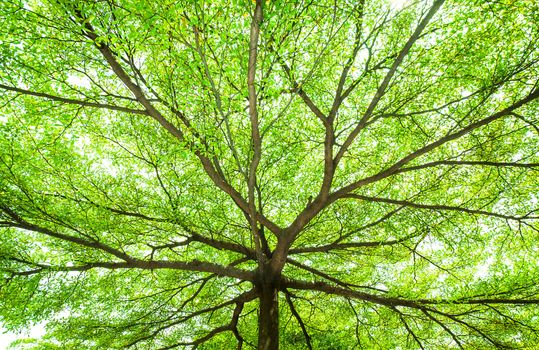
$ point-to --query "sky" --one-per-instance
(7, 338)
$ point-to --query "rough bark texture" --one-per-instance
(268, 319)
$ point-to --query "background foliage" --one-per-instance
(425, 120)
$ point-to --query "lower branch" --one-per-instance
(408, 328)
(428, 307)
(395, 301)
(299, 319)
(232, 326)
(128, 261)
(194, 265)
(239, 300)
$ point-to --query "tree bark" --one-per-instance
(268, 318)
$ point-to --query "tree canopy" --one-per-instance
(255, 174)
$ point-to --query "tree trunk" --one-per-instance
(268, 318)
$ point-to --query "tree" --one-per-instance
(314, 174)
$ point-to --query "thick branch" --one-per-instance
(193, 236)
(195, 265)
(301, 93)
(255, 132)
(324, 199)
(318, 273)
(73, 101)
(212, 172)
(19, 222)
(534, 94)
(437, 207)
(469, 162)
(129, 261)
(223, 245)
(394, 301)
(383, 86)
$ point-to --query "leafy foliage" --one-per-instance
(367, 171)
